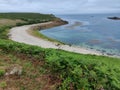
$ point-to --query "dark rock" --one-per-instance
(114, 18)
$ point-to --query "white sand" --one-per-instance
(20, 34)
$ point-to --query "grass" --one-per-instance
(27, 16)
(3, 84)
(10, 22)
(33, 74)
(71, 70)
(54, 69)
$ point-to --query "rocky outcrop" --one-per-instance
(56, 22)
(14, 70)
(114, 18)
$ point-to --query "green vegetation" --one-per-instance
(3, 85)
(2, 72)
(27, 16)
(51, 69)
(30, 18)
(4, 32)
(76, 71)
(32, 77)
(8, 20)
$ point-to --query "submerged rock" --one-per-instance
(73, 26)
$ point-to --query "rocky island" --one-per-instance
(114, 18)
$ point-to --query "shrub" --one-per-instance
(2, 72)
(3, 84)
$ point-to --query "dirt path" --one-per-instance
(20, 34)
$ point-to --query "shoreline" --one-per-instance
(21, 34)
(34, 30)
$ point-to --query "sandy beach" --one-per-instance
(20, 34)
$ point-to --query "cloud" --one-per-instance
(60, 6)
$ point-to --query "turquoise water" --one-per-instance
(92, 31)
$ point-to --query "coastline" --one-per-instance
(22, 34)
(34, 30)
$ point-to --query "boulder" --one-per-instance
(14, 70)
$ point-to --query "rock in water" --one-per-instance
(114, 18)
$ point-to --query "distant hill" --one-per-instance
(27, 16)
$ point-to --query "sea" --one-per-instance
(93, 31)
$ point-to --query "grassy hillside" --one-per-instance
(28, 17)
(36, 16)
(8, 20)
(36, 68)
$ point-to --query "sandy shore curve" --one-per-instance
(20, 34)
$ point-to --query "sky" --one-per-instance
(60, 6)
